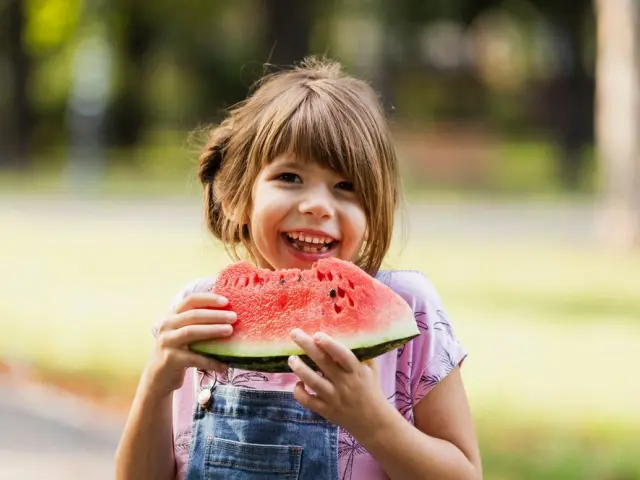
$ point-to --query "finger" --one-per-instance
(315, 352)
(188, 359)
(308, 401)
(202, 300)
(197, 317)
(340, 354)
(321, 386)
(193, 333)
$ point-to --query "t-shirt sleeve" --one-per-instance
(199, 285)
(437, 350)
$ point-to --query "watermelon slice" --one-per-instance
(333, 296)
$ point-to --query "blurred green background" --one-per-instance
(520, 166)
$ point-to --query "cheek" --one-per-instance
(267, 215)
(356, 224)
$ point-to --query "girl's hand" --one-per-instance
(349, 394)
(197, 318)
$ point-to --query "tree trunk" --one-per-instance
(573, 110)
(618, 119)
(20, 128)
(288, 30)
(565, 103)
(128, 117)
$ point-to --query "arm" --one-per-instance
(146, 447)
(442, 444)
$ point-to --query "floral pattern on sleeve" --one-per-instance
(437, 351)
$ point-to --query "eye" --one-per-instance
(289, 177)
(348, 186)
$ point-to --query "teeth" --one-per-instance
(309, 239)
(316, 246)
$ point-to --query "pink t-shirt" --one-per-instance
(407, 373)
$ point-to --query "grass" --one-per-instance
(552, 454)
(553, 332)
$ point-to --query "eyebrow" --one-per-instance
(287, 164)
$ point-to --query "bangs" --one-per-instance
(332, 132)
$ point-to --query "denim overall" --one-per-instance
(245, 434)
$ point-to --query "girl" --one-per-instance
(302, 169)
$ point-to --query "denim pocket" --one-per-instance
(231, 460)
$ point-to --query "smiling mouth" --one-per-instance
(310, 243)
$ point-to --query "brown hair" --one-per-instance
(315, 112)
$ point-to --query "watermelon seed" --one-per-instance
(337, 307)
(341, 292)
(351, 301)
(351, 285)
(329, 276)
(332, 293)
(299, 278)
(320, 275)
(282, 281)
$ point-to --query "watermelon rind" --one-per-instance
(272, 357)
(279, 363)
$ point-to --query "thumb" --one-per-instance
(372, 364)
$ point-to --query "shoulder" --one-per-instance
(195, 285)
(432, 355)
(412, 285)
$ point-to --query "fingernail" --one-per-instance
(293, 359)
(320, 336)
(232, 317)
(228, 330)
(222, 301)
(295, 333)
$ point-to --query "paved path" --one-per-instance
(44, 435)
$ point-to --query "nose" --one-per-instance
(319, 203)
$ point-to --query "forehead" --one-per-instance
(296, 162)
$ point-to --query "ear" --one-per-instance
(225, 209)
(229, 212)
(235, 216)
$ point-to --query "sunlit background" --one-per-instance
(518, 128)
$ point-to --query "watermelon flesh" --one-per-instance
(333, 296)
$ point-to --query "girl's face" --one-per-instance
(303, 212)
